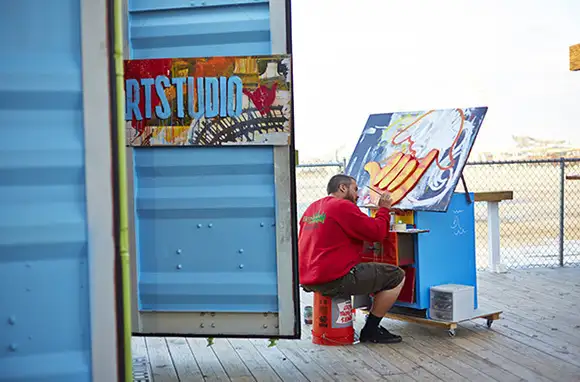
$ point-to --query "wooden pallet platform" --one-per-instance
(489, 315)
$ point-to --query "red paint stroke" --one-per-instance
(263, 98)
(138, 69)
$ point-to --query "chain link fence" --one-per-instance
(540, 227)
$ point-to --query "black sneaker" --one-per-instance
(379, 336)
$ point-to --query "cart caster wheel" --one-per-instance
(451, 332)
(489, 322)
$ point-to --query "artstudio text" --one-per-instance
(213, 96)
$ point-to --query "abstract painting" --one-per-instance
(416, 156)
(208, 101)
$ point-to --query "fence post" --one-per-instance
(562, 197)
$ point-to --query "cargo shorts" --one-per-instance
(364, 278)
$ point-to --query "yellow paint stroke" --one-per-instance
(410, 183)
(394, 171)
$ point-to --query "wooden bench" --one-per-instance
(493, 233)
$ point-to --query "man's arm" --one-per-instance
(360, 226)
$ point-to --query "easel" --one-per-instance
(433, 262)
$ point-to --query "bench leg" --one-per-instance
(493, 236)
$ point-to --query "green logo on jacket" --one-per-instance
(317, 218)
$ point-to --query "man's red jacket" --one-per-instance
(332, 232)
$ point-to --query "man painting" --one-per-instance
(330, 245)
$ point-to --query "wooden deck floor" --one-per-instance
(537, 339)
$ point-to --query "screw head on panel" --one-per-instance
(212, 325)
(265, 326)
(262, 224)
(199, 226)
(241, 250)
(12, 320)
(179, 266)
(201, 325)
(178, 251)
(210, 225)
(241, 266)
(13, 347)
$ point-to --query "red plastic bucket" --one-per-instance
(332, 321)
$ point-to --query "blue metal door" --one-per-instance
(214, 250)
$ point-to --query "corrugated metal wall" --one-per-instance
(44, 296)
(229, 262)
(198, 28)
(206, 229)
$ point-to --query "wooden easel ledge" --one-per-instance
(575, 57)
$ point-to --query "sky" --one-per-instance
(355, 58)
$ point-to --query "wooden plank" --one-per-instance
(469, 365)
(386, 369)
(493, 196)
(139, 347)
(279, 362)
(209, 364)
(535, 340)
(542, 329)
(438, 346)
(493, 315)
(408, 367)
(541, 291)
(141, 368)
(575, 57)
(254, 361)
(161, 363)
(430, 362)
(541, 362)
(493, 358)
(538, 367)
(231, 361)
(183, 360)
(304, 361)
(524, 300)
(572, 177)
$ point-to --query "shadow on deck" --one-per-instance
(537, 339)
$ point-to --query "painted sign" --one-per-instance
(208, 101)
(417, 156)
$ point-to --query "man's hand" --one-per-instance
(385, 200)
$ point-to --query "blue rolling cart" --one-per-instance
(439, 251)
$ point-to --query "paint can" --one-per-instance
(332, 321)
(308, 315)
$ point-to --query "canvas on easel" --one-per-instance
(417, 156)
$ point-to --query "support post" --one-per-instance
(493, 235)
(492, 199)
(562, 197)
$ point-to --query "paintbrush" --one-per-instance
(393, 210)
(372, 189)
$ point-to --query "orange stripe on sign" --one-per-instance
(373, 168)
(391, 162)
(410, 183)
(407, 171)
(395, 171)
